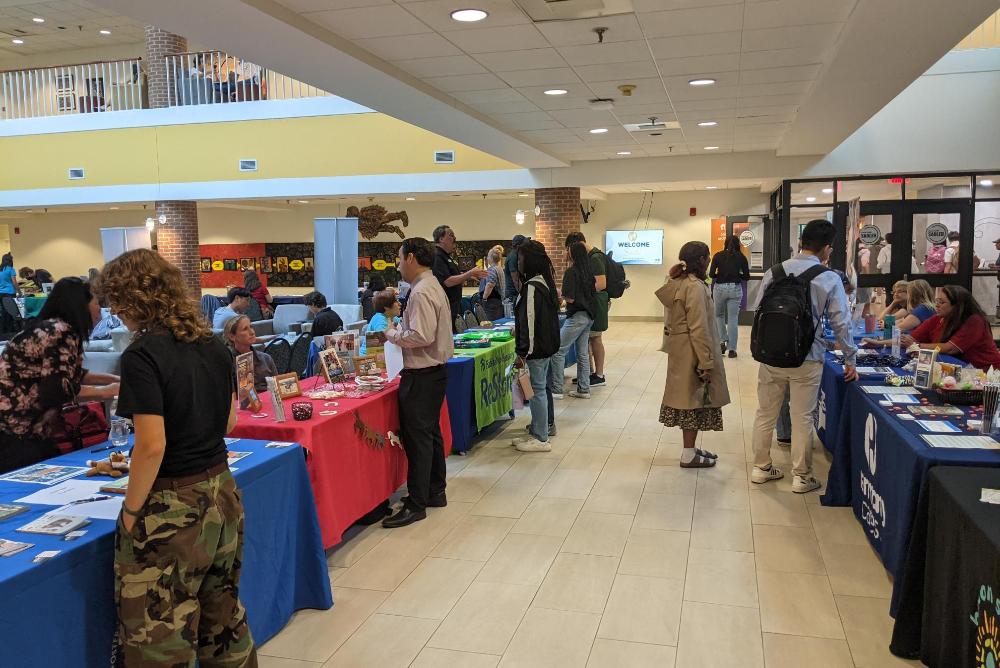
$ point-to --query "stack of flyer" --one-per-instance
(51, 524)
(11, 547)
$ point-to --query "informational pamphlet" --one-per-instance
(939, 426)
(65, 492)
(873, 370)
(962, 442)
(954, 411)
(99, 507)
(11, 547)
(889, 389)
(44, 474)
(237, 456)
(52, 524)
(990, 495)
(278, 444)
(8, 510)
(244, 379)
(276, 403)
(901, 398)
(923, 376)
(119, 486)
(393, 360)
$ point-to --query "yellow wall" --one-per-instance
(352, 144)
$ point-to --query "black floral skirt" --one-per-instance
(692, 419)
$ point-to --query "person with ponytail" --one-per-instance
(696, 387)
(729, 271)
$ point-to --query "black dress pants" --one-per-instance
(421, 393)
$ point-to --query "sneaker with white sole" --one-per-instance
(760, 476)
(805, 483)
(530, 444)
(579, 395)
(557, 395)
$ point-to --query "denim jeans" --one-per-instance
(727, 311)
(541, 403)
(575, 331)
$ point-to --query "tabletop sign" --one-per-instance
(870, 234)
(747, 238)
(924, 373)
(937, 233)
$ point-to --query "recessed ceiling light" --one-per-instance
(302, 201)
(104, 32)
(645, 190)
(624, 152)
(701, 82)
(556, 91)
(707, 124)
(38, 19)
(523, 195)
(810, 199)
(17, 41)
(114, 208)
(469, 15)
(711, 187)
(411, 199)
(711, 148)
(827, 191)
(598, 131)
(986, 183)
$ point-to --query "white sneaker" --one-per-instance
(579, 395)
(557, 395)
(760, 476)
(530, 444)
(805, 483)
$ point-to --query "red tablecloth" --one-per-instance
(349, 478)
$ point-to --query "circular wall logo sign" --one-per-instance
(218, 265)
(937, 233)
(747, 238)
(870, 234)
(296, 265)
(871, 428)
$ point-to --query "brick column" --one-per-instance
(558, 216)
(160, 43)
(177, 240)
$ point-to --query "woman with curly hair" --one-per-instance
(696, 387)
(179, 545)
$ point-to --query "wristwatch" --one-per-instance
(133, 513)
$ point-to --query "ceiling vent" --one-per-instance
(653, 126)
(248, 165)
(75, 173)
(444, 157)
(567, 10)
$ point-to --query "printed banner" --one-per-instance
(492, 383)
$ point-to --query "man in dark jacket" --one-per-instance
(536, 339)
(325, 319)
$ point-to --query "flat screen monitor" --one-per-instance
(635, 246)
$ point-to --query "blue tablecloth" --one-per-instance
(880, 464)
(61, 612)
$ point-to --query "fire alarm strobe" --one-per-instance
(694, 211)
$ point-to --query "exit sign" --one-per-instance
(897, 180)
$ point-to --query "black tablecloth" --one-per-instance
(949, 610)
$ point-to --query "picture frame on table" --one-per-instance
(368, 365)
(329, 360)
(288, 385)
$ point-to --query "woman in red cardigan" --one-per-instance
(959, 329)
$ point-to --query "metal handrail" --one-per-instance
(99, 86)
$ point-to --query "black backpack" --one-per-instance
(614, 272)
(783, 327)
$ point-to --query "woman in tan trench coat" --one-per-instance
(696, 387)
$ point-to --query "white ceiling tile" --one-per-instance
(695, 45)
(707, 65)
(514, 106)
(326, 5)
(781, 88)
(401, 47)
(379, 21)
(437, 13)
(596, 54)
(760, 101)
(722, 80)
(489, 96)
(528, 121)
(466, 82)
(556, 76)
(659, 109)
(685, 93)
(699, 21)
(562, 134)
(767, 111)
(716, 114)
(618, 71)
(621, 28)
(505, 38)
(584, 118)
(577, 96)
(704, 105)
(816, 36)
(808, 55)
(751, 119)
(778, 74)
(441, 66)
(528, 59)
(778, 13)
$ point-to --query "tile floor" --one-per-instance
(604, 553)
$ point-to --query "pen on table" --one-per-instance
(104, 447)
(90, 500)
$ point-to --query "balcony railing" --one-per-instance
(215, 77)
(71, 89)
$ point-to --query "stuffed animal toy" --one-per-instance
(116, 465)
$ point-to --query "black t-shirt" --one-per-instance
(326, 322)
(191, 385)
(584, 296)
(444, 268)
(729, 268)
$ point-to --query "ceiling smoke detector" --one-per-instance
(602, 104)
(626, 89)
(653, 127)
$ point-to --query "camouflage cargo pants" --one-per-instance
(177, 579)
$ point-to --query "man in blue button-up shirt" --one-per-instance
(828, 297)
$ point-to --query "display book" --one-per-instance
(350, 362)
(245, 391)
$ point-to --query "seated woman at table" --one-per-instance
(959, 329)
(386, 308)
(376, 284)
(240, 337)
(251, 282)
(919, 303)
(898, 305)
(41, 369)
(179, 541)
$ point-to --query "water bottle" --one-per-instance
(895, 340)
(508, 308)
